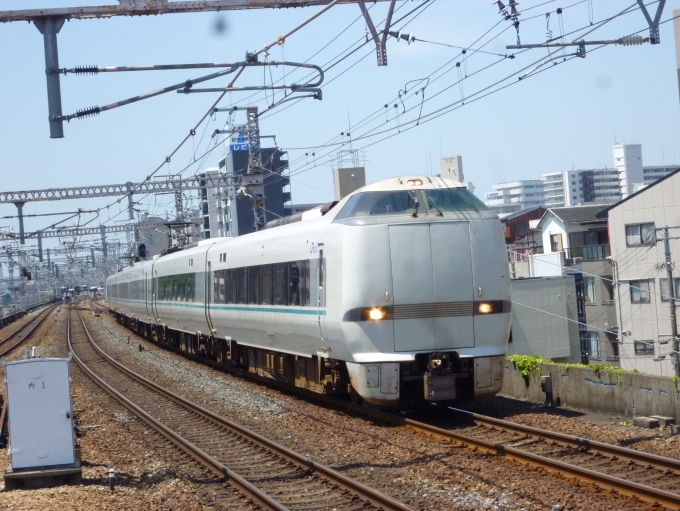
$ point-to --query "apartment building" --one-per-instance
(507, 198)
(570, 188)
(641, 292)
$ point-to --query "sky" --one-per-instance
(566, 114)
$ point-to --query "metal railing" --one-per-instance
(588, 252)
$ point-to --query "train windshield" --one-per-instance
(378, 203)
(400, 202)
(453, 199)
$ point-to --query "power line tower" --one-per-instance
(253, 179)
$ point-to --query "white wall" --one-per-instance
(645, 321)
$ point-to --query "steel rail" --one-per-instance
(623, 486)
(376, 498)
(607, 482)
(4, 350)
(660, 462)
(252, 491)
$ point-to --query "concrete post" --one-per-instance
(671, 301)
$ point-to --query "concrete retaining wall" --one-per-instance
(627, 394)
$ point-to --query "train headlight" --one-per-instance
(415, 182)
(373, 314)
(485, 308)
(492, 307)
(376, 314)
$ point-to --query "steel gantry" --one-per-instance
(77, 231)
(168, 185)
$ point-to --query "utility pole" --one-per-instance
(671, 301)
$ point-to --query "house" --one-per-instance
(574, 243)
(576, 231)
(641, 285)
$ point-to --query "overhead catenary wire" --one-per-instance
(452, 106)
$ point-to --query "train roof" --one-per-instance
(417, 182)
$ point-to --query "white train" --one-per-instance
(397, 294)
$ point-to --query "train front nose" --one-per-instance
(432, 286)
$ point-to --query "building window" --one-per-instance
(663, 289)
(644, 347)
(639, 291)
(556, 242)
(608, 283)
(594, 344)
(589, 290)
(640, 234)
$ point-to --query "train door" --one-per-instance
(412, 287)
(453, 287)
(154, 294)
(208, 292)
(321, 295)
(147, 294)
(432, 286)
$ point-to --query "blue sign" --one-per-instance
(238, 147)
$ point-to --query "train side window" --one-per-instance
(219, 287)
(242, 285)
(231, 286)
(254, 285)
(266, 277)
(304, 283)
(280, 287)
(294, 283)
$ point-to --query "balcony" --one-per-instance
(588, 252)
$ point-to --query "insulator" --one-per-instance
(88, 112)
(86, 70)
(632, 40)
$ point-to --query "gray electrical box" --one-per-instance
(39, 412)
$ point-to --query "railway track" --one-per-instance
(271, 475)
(22, 333)
(649, 477)
(644, 477)
(7, 344)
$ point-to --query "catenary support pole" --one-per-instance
(105, 249)
(131, 209)
(40, 254)
(20, 214)
(49, 27)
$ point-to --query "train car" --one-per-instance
(399, 294)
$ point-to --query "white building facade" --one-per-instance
(641, 290)
(510, 197)
(628, 163)
(575, 187)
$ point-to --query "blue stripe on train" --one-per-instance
(240, 308)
